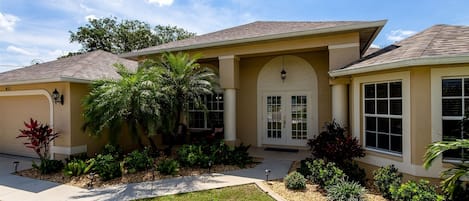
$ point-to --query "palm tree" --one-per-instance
(183, 80)
(133, 100)
(455, 183)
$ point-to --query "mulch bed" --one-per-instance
(84, 180)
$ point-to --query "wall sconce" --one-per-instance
(58, 98)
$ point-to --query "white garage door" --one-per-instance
(14, 111)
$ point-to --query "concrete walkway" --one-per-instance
(14, 187)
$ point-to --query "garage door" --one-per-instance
(14, 110)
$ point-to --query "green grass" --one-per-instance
(235, 193)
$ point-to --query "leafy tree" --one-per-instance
(118, 37)
(133, 99)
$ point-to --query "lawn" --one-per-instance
(244, 192)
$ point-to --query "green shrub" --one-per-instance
(305, 168)
(385, 177)
(413, 191)
(324, 174)
(240, 156)
(106, 166)
(192, 155)
(48, 166)
(76, 167)
(354, 172)
(168, 167)
(113, 150)
(295, 181)
(345, 190)
(137, 161)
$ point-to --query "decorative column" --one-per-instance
(340, 101)
(229, 81)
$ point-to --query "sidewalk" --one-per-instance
(14, 187)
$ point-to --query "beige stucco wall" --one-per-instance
(247, 92)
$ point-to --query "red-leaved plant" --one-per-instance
(39, 136)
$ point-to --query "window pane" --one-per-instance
(396, 126)
(395, 107)
(382, 90)
(395, 89)
(396, 143)
(369, 91)
(382, 106)
(451, 130)
(383, 141)
(451, 87)
(370, 124)
(196, 120)
(452, 154)
(466, 106)
(370, 107)
(370, 139)
(466, 87)
(383, 125)
(452, 107)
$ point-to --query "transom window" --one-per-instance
(455, 106)
(382, 115)
(209, 118)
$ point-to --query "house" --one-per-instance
(281, 81)
(27, 93)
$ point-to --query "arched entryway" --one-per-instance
(287, 109)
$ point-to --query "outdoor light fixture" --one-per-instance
(283, 73)
(58, 98)
(267, 173)
(16, 166)
(91, 177)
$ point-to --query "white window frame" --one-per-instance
(373, 157)
(458, 118)
(206, 112)
(387, 116)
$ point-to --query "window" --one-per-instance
(455, 106)
(209, 118)
(383, 116)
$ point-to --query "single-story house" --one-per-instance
(27, 93)
(281, 81)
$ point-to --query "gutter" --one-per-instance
(434, 60)
(363, 25)
(60, 79)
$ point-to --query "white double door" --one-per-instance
(287, 118)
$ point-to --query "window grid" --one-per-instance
(299, 117)
(274, 116)
(454, 118)
(206, 119)
(374, 132)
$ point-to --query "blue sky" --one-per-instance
(38, 30)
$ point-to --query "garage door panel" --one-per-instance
(14, 111)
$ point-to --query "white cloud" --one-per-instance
(398, 35)
(7, 22)
(374, 46)
(90, 17)
(161, 3)
(22, 51)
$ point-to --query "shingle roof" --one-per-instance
(435, 42)
(80, 68)
(255, 31)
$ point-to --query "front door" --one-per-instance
(287, 118)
